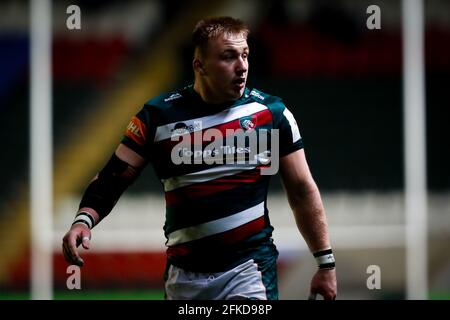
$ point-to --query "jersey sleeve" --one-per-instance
(289, 133)
(139, 133)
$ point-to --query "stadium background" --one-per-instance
(342, 81)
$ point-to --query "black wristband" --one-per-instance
(325, 259)
(81, 221)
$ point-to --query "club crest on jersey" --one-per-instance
(248, 123)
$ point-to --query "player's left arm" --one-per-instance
(306, 203)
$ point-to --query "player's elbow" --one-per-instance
(298, 192)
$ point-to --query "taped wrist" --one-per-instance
(85, 218)
(325, 259)
(103, 193)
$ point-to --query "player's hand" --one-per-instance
(324, 283)
(78, 234)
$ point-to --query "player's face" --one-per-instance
(226, 67)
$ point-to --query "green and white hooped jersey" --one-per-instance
(216, 213)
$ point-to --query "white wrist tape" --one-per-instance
(85, 218)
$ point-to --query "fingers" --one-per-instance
(329, 296)
(324, 283)
(85, 240)
(73, 250)
(67, 255)
(312, 296)
(326, 296)
(326, 292)
(71, 256)
(71, 241)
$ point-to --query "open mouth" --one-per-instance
(239, 82)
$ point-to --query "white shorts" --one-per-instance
(241, 282)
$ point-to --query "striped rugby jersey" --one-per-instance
(216, 213)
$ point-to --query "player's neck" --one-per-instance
(206, 95)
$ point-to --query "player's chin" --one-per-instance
(236, 93)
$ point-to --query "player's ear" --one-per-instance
(198, 66)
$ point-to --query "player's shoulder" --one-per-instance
(168, 99)
(270, 101)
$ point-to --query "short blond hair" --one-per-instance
(215, 26)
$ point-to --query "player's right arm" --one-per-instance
(100, 197)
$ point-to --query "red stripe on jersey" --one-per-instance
(226, 238)
(207, 188)
(259, 118)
